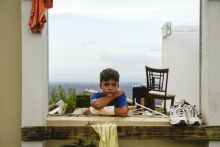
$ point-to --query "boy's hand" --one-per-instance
(119, 93)
(87, 112)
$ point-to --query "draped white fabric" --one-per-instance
(107, 133)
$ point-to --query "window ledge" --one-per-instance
(136, 128)
(119, 121)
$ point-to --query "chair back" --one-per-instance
(157, 79)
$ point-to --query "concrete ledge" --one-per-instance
(119, 121)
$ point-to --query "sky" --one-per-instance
(87, 36)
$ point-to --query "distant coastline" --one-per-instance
(80, 86)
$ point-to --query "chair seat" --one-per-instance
(161, 93)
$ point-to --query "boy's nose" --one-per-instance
(110, 86)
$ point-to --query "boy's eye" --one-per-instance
(112, 84)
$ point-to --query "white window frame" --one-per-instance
(34, 74)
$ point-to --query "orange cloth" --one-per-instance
(37, 18)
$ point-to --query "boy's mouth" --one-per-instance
(110, 94)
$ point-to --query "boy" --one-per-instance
(111, 101)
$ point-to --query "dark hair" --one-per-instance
(109, 74)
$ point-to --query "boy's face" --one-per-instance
(110, 87)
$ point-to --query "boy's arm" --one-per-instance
(104, 101)
(101, 102)
(123, 111)
(108, 110)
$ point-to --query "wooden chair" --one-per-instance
(157, 80)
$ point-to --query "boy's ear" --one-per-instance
(100, 84)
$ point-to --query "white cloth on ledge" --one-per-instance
(107, 133)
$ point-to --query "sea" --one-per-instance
(80, 86)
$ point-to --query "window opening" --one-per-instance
(88, 36)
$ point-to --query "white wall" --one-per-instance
(210, 69)
(210, 61)
(180, 53)
(34, 74)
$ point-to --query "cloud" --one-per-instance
(97, 34)
(142, 10)
(86, 44)
(130, 60)
(119, 6)
(156, 50)
(130, 64)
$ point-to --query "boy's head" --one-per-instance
(109, 74)
(109, 81)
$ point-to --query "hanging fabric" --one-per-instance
(37, 18)
(107, 133)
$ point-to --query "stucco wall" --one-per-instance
(210, 69)
(180, 53)
(210, 62)
(10, 73)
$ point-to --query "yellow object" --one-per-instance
(107, 133)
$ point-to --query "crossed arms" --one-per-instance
(102, 102)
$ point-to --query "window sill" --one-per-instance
(119, 121)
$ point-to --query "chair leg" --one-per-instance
(165, 108)
(147, 100)
(172, 101)
(152, 103)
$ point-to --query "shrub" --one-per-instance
(59, 93)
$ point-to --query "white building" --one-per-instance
(180, 53)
